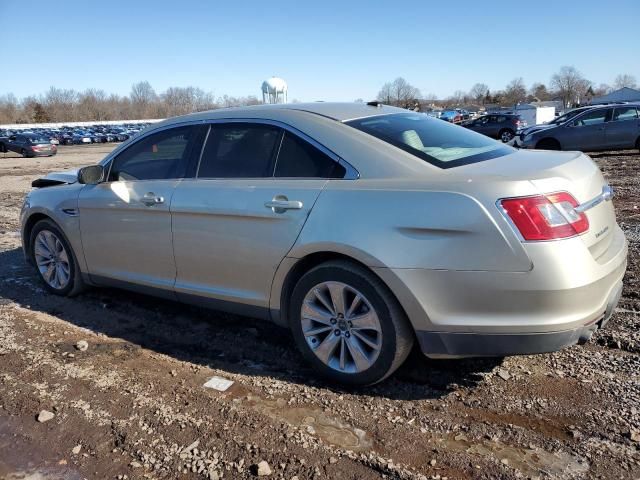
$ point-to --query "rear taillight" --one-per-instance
(546, 217)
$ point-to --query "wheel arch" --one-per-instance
(549, 140)
(31, 222)
(292, 269)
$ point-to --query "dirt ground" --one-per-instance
(133, 404)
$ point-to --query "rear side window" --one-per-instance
(298, 158)
(625, 113)
(239, 150)
(439, 143)
(162, 155)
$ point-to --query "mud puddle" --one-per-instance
(313, 420)
(532, 462)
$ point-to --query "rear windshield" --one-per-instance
(440, 143)
(38, 139)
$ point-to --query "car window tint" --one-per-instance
(159, 156)
(591, 118)
(298, 158)
(501, 119)
(239, 150)
(625, 113)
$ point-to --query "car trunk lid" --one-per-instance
(550, 172)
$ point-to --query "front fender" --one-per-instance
(60, 204)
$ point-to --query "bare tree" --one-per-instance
(478, 92)
(92, 105)
(9, 108)
(570, 85)
(60, 104)
(399, 93)
(142, 97)
(515, 92)
(602, 89)
(385, 94)
(539, 92)
(625, 80)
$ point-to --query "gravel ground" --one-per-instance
(130, 403)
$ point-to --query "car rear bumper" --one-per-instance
(448, 345)
(565, 296)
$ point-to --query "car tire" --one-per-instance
(3, 149)
(548, 144)
(50, 252)
(24, 153)
(638, 143)
(506, 135)
(355, 343)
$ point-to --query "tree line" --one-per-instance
(63, 105)
(567, 85)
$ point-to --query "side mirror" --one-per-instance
(91, 175)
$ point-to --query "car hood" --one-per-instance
(56, 178)
(537, 128)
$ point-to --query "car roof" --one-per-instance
(340, 111)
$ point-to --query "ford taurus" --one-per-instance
(362, 228)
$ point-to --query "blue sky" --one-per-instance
(327, 50)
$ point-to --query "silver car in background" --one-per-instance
(362, 228)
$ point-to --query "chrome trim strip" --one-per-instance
(351, 172)
(606, 195)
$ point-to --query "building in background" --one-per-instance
(274, 90)
(625, 94)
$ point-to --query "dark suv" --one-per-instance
(502, 126)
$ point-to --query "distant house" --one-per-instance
(625, 94)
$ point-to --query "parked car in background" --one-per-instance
(451, 116)
(592, 128)
(80, 137)
(313, 216)
(499, 126)
(559, 120)
(28, 145)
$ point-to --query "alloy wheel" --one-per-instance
(341, 327)
(52, 259)
(506, 137)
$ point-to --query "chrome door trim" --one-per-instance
(350, 174)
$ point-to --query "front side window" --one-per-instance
(298, 158)
(594, 117)
(625, 113)
(239, 150)
(162, 155)
(439, 143)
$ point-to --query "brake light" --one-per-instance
(546, 217)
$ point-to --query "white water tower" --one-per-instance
(274, 90)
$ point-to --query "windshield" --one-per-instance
(440, 143)
(566, 116)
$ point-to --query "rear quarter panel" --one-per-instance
(396, 224)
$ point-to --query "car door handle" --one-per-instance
(280, 205)
(150, 199)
